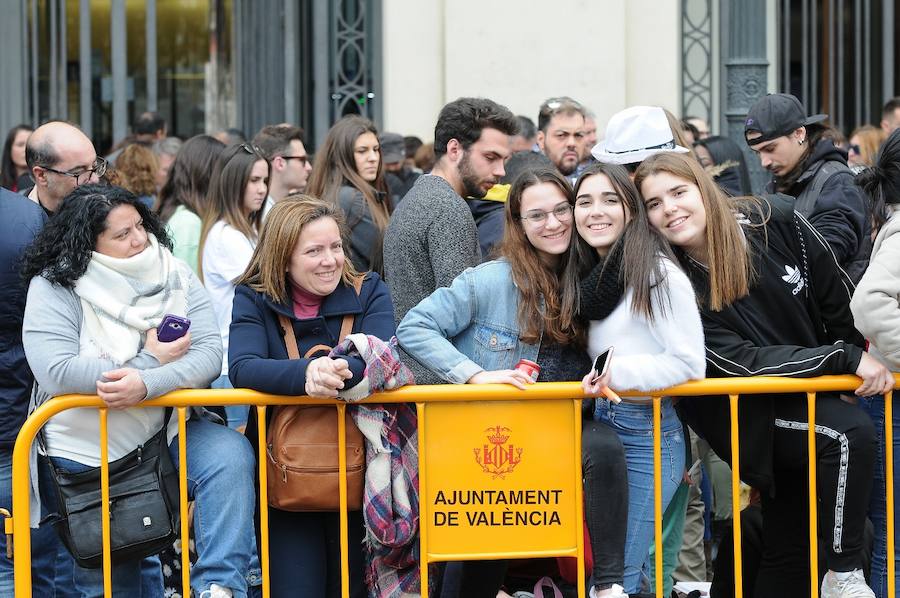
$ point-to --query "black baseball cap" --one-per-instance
(777, 115)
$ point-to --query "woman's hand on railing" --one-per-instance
(122, 388)
(325, 376)
(514, 377)
(599, 386)
(167, 352)
(877, 379)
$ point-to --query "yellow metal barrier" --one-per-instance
(18, 525)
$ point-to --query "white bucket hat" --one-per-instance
(635, 134)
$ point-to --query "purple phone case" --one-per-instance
(172, 328)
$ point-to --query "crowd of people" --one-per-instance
(381, 261)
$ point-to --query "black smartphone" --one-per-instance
(601, 364)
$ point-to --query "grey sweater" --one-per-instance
(431, 239)
(51, 332)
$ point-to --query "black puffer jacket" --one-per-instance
(489, 217)
(832, 202)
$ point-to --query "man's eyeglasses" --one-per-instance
(84, 176)
(562, 212)
(304, 160)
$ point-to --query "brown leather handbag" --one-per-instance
(302, 446)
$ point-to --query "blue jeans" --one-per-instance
(44, 542)
(235, 415)
(634, 424)
(874, 406)
(220, 480)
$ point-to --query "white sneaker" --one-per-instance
(616, 591)
(216, 591)
(851, 584)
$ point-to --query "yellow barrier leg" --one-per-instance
(579, 501)
(657, 494)
(889, 485)
(736, 498)
(104, 507)
(263, 499)
(183, 504)
(342, 480)
(813, 507)
(423, 503)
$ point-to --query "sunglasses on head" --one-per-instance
(250, 149)
(552, 105)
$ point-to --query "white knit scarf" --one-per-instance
(123, 297)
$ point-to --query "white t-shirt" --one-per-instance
(226, 254)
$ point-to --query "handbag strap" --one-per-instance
(43, 444)
(546, 582)
(290, 340)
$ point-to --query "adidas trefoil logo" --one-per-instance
(794, 277)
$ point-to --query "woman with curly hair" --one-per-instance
(12, 163)
(182, 199)
(349, 172)
(138, 166)
(102, 279)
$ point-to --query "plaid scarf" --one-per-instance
(391, 496)
(384, 370)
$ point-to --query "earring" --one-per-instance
(800, 141)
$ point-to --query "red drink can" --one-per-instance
(529, 368)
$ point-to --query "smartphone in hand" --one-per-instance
(601, 364)
(172, 328)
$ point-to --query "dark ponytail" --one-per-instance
(881, 182)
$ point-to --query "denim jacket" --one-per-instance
(468, 327)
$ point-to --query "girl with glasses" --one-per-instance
(522, 306)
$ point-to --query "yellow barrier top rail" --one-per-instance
(727, 387)
(488, 392)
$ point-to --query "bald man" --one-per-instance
(60, 157)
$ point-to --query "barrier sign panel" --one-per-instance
(501, 477)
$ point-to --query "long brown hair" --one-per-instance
(272, 256)
(542, 309)
(730, 268)
(678, 135)
(189, 176)
(641, 246)
(225, 199)
(335, 166)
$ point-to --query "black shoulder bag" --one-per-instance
(143, 504)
